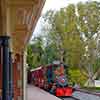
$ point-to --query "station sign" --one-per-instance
(97, 83)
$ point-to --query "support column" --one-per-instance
(24, 75)
(10, 77)
(5, 65)
(0, 71)
(17, 77)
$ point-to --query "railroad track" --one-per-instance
(69, 98)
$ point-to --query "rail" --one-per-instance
(69, 98)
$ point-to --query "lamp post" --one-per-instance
(62, 55)
(4, 41)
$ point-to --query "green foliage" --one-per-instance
(39, 54)
(30, 56)
(94, 89)
(34, 53)
(89, 17)
(76, 77)
(50, 53)
(65, 35)
(75, 30)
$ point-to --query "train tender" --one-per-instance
(52, 78)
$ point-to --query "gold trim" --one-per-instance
(22, 2)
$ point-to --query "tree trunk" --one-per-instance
(94, 77)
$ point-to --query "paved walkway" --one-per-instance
(85, 96)
(34, 93)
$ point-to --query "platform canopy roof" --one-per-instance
(18, 19)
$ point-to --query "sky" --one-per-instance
(54, 5)
(57, 4)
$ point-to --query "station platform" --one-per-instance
(35, 93)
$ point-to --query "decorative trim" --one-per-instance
(22, 3)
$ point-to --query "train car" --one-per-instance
(52, 78)
(36, 76)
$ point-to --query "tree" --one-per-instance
(72, 35)
(89, 26)
(35, 53)
(74, 30)
(40, 52)
(64, 34)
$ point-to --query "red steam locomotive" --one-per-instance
(52, 78)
